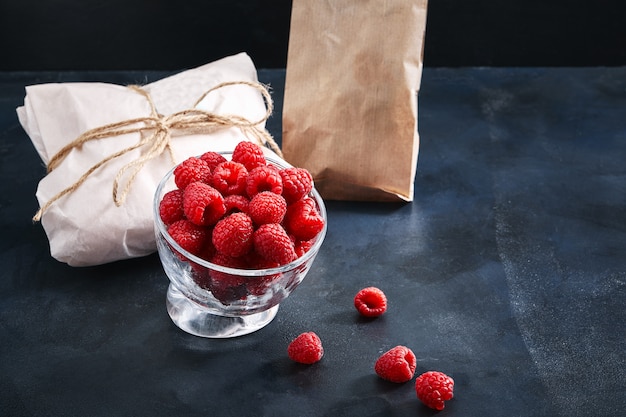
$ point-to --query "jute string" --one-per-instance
(163, 128)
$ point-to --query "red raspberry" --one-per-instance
(370, 302)
(236, 203)
(249, 154)
(208, 250)
(189, 236)
(191, 170)
(297, 183)
(303, 246)
(272, 243)
(171, 207)
(261, 284)
(256, 261)
(232, 235)
(396, 365)
(227, 288)
(302, 220)
(433, 388)
(200, 276)
(267, 207)
(306, 348)
(213, 159)
(222, 259)
(264, 178)
(200, 273)
(203, 204)
(230, 178)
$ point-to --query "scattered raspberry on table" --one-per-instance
(370, 302)
(306, 348)
(396, 365)
(433, 388)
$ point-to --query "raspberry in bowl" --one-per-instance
(236, 233)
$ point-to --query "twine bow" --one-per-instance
(163, 128)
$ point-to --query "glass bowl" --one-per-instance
(209, 300)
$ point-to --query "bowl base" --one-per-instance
(196, 320)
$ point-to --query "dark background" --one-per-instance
(174, 34)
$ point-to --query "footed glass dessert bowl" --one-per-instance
(214, 300)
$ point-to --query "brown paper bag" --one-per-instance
(350, 107)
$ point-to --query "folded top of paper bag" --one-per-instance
(84, 226)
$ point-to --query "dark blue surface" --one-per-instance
(508, 272)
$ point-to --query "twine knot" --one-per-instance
(162, 128)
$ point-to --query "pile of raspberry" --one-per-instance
(243, 213)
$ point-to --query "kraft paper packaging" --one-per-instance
(353, 74)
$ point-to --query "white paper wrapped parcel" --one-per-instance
(85, 227)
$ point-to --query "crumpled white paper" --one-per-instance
(85, 227)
